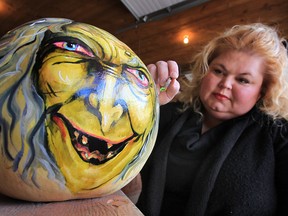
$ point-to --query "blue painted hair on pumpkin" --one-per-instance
(22, 110)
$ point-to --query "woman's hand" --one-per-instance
(165, 75)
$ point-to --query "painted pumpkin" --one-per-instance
(78, 112)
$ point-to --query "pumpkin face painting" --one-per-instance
(78, 112)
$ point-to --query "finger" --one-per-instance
(173, 89)
(153, 71)
(173, 69)
(162, 72)
(165, 86)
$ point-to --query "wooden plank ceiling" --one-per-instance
(156, 40)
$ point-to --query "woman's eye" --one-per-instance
(139, 76)
(217, 71)
(243, 81)
(73, 47)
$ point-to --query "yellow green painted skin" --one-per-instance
(79, 112)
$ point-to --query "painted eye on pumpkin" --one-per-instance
(140, 76)
(74, 47)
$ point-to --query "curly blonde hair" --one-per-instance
(259, 39)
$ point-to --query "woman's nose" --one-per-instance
(226, 83)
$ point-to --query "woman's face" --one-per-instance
(232, 85)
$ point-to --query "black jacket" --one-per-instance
(246, 175)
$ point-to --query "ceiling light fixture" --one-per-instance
(186, 39)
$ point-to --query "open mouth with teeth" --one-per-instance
(91, 149)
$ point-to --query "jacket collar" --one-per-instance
(209, 169)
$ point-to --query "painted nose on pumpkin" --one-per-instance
(110, 115)
(110, 112)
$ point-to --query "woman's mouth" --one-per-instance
(221, 97)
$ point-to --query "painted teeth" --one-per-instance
(84, 140)
(109, 155)
(76, 134)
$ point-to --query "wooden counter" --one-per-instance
(116, 204)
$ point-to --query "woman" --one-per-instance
(223, 149)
